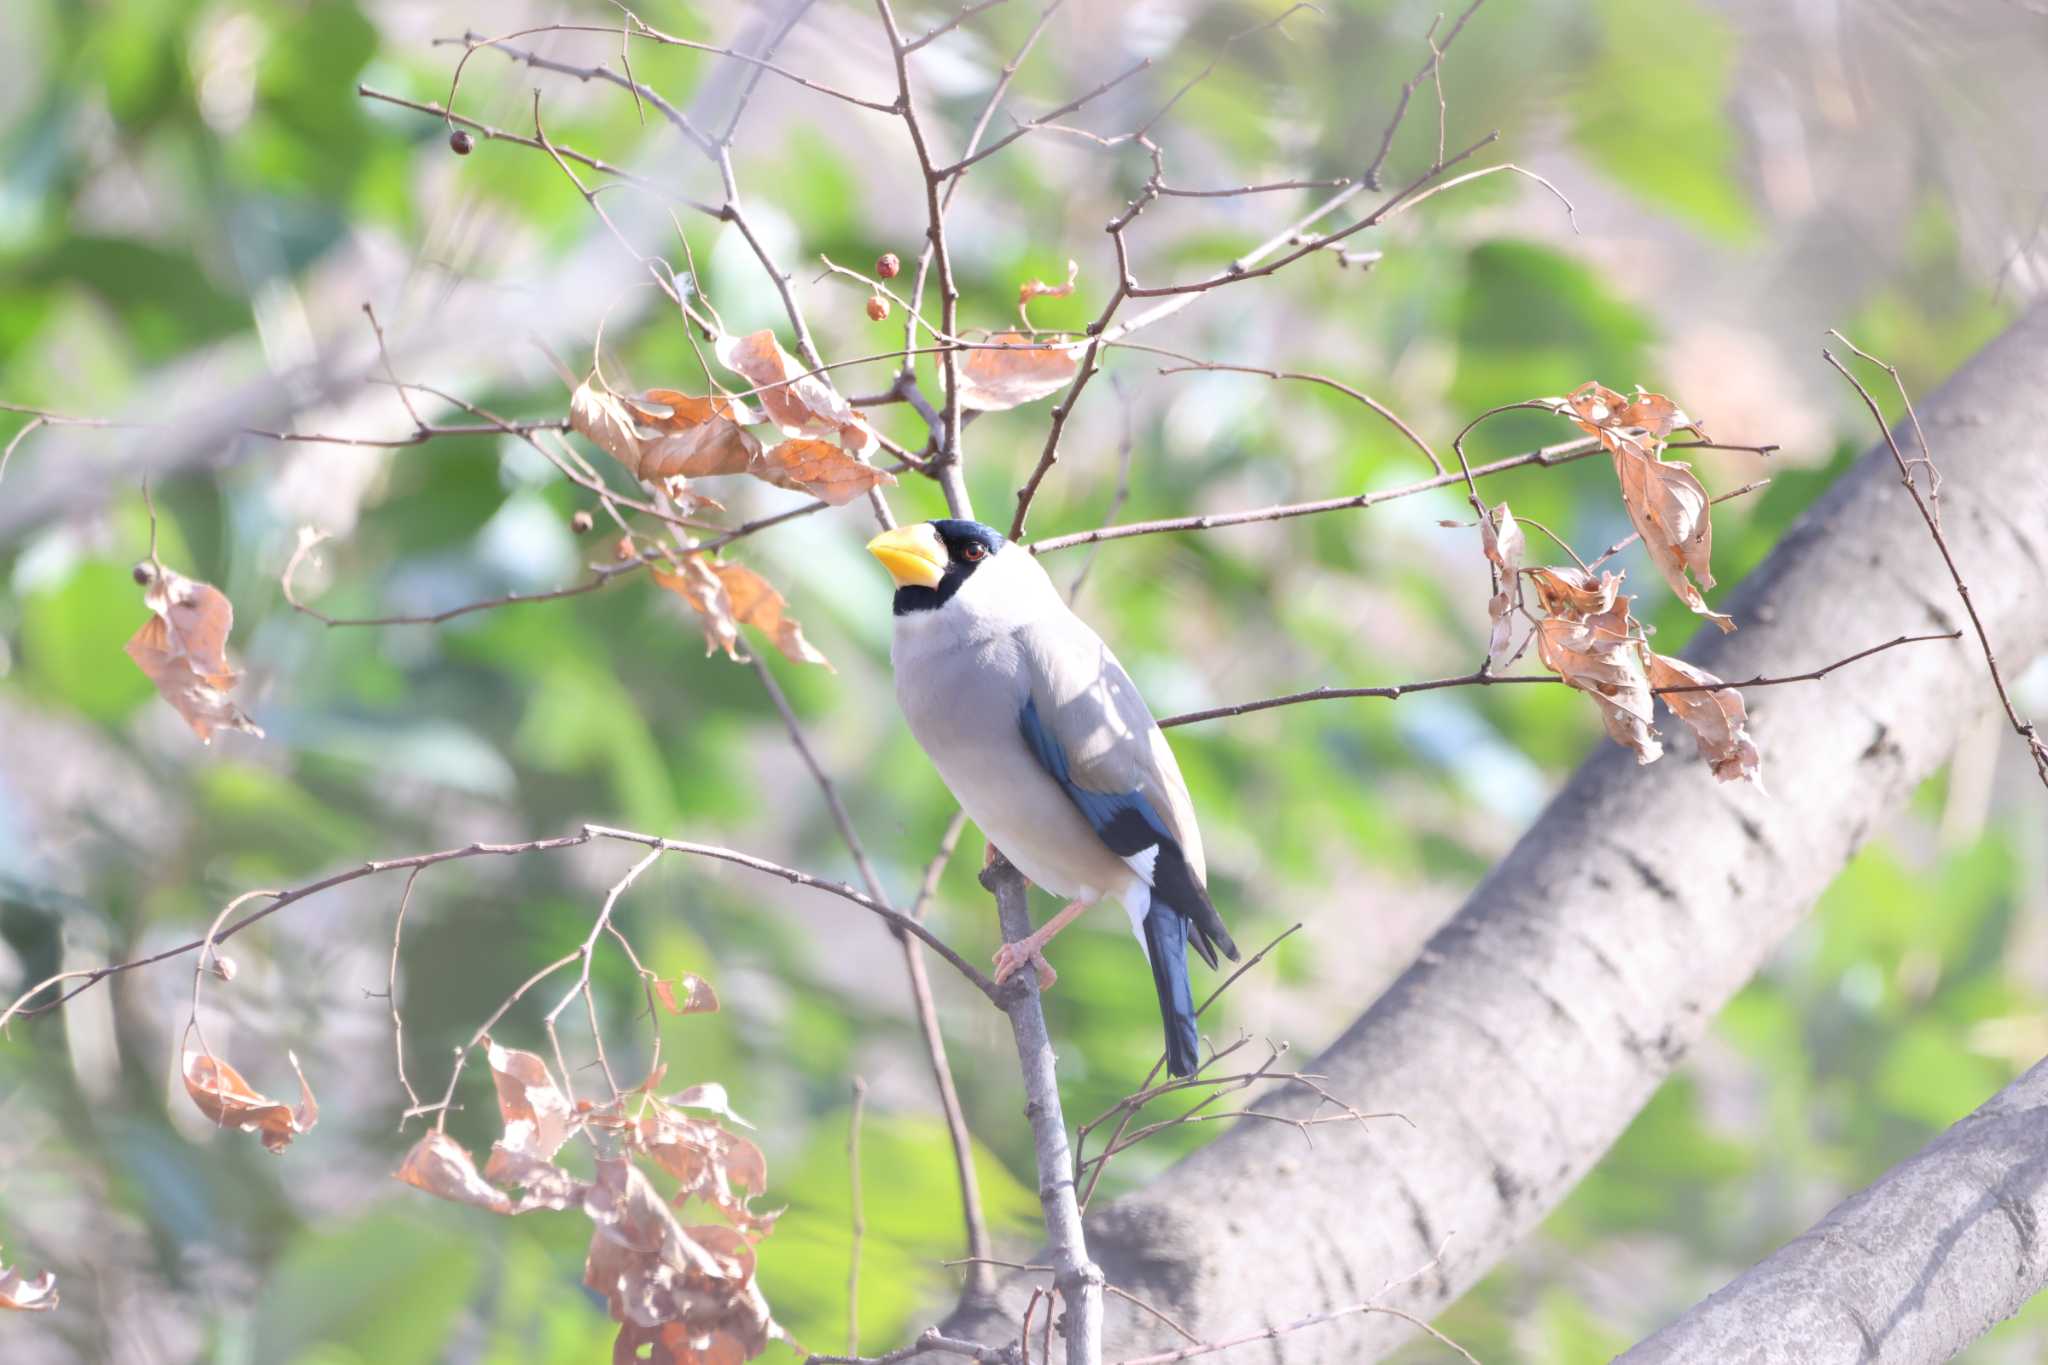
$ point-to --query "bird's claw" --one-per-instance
(1011, 957)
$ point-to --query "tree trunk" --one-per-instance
(1539, 1020)
(1912, 1269)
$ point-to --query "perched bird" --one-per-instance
(1045, 741)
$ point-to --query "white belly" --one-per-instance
(965, 716)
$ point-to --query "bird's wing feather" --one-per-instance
(1093, 718)
(1088, 727)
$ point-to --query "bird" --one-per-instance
(1044, 740)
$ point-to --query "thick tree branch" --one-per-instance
(1910, 1270)
(1537, 1022)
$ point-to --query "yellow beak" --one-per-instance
(913, 555)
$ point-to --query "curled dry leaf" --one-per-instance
(22, 1295)
(727, 596)
(665, 434)
(709, 1163)
(1039, 289)
(710, 1096)
(542, 1184)
(441, 1166)
(689, 1292)
(1505, 543)
(538, 1116)
(802, 404)
(1573, 591)
(183, 649)
(1011, 369)
(1718, 719)
(229, 1101)
(687, 994)
(1601, 655)
(820, 468)
(1666, 503)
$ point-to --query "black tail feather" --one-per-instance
(1173, 881)
(1166, 944)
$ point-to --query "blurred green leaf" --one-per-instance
(1648, 111)
(386, 1289)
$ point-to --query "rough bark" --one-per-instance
(1541, 1018)
(1913, 1268)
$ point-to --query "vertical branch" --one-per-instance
(1078, 1279)
(946, 465)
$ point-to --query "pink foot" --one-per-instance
(1012, 957)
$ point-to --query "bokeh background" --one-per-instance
(194, 205)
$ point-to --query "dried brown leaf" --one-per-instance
(708, 1162)
(1601, 656)
(1504, 543)
(757, 604)
(225, 1098)
(820, 468)
(727, 596)
(1039, 289)
(1670, 511)
(1666, 503)
(1573, 592)
(1012, 369)
(698, 583)
(1718, 719)
(183, 649)
(599, 413)
(665, 434)
(1503, 540)
(654, 1273)
(439, 1165)
(687, 994)
(802, 404)
(542, 1184)
(538, 1115)
(689, 437)
(22, 1295)
(1611, 416)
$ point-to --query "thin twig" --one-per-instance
(1929, 506)
(1193, 365)
(88, 977)
(943, 29)
(391, 988)
(1501, 680)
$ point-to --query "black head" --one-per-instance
(933, 560)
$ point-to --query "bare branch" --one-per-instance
(1929, 506)
(280, 899)
(489, 133)
(1484, 679)
(1192, 365)
(1076, 1278)
(943, 29)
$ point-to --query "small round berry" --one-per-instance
(581, 522)
(878, 308)
(460, 142)
(888, 267)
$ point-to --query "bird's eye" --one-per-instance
(974, 552)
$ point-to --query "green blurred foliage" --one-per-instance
(1879, 1025)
